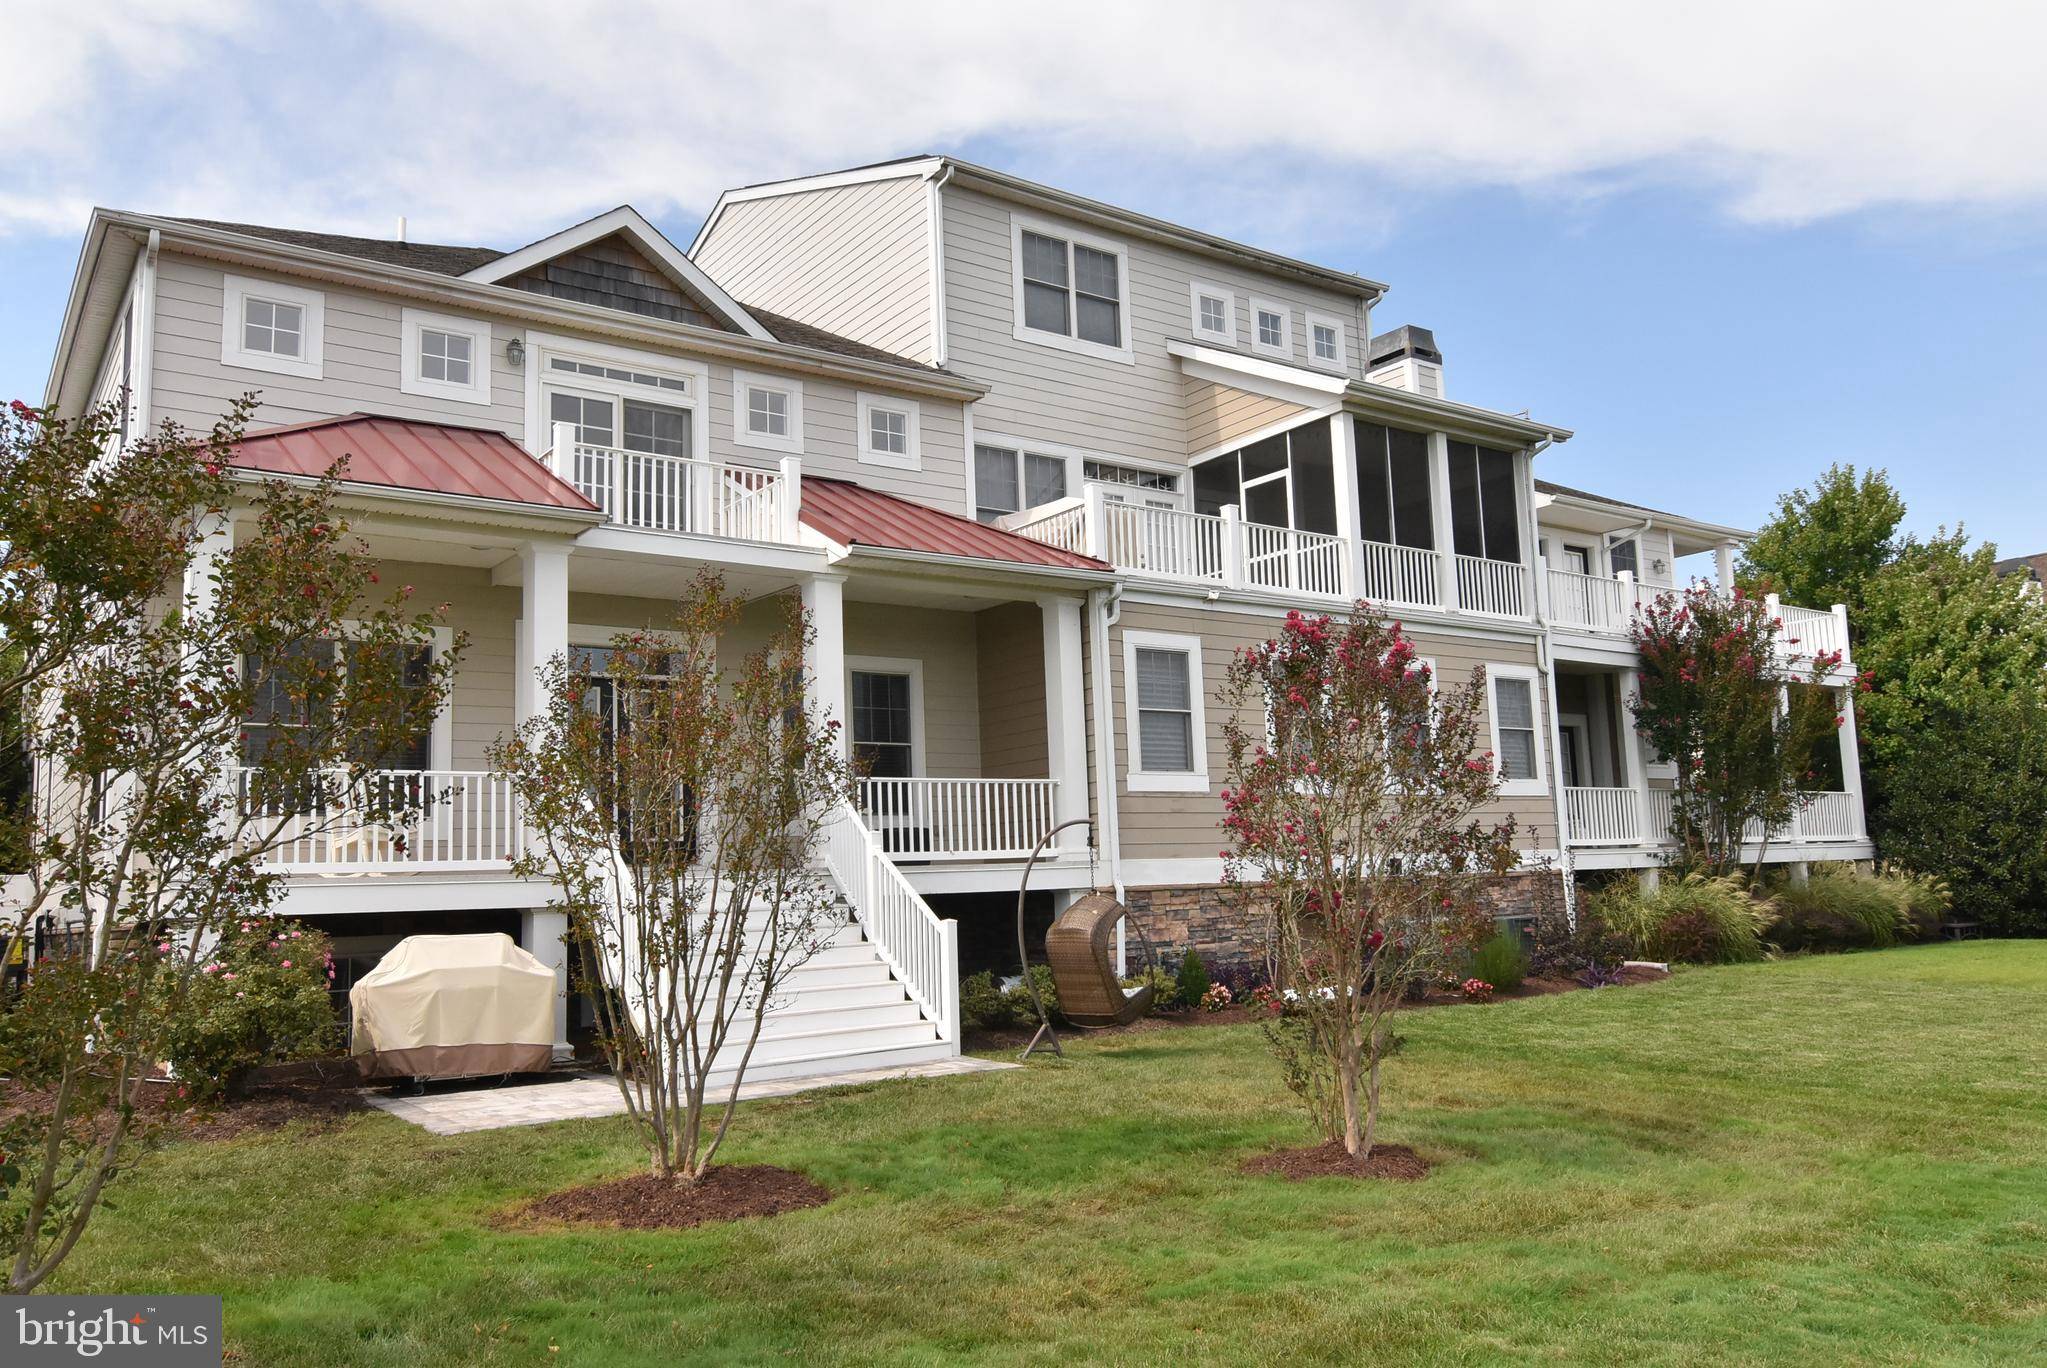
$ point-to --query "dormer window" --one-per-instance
(269, 326)
(767, 412)
(1072, 291)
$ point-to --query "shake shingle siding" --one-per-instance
(612, 274)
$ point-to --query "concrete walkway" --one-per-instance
(583, 1095)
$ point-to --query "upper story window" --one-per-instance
(1327, 345)
(889, 433)
(1271, 329)
(1621, 556)
(1286, 480)
(767, 411)
(272, 327)
(1393, 486)
(1072, 291)
(444, 357)
(1214, 312)
(1134, 484)
(1485, 506)
(1009, 480)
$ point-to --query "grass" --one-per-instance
(1825, 1160)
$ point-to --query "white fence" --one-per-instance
(958, 819)
(390, 819)
(922, 951)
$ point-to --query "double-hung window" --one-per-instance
(1071, 291)
(1162, 687)
(1517, 740)
(270, 326)
(883, 740)
(1009, 480)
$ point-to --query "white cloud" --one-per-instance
(491, 120)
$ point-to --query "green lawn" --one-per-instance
(1839, 1160)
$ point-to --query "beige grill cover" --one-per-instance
(440, 997)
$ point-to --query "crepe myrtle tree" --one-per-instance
(188, 708)
(1741, 711)
(1355, 845)
(678, 801)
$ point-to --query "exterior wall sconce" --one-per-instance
(515, 351)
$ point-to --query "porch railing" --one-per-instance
(1606, 816)
(1603, 816)
(922, 951)
(1286, 558)
(388, 820)
(1401, 576)
(660, 493)
(1809, 631)
(1499, 588)
(1598, 603)
(958, 819)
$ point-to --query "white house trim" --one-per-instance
(1019, 224)
(1140, 780)
(543, 347)
(237, 291)
(744, 383)
(414, 322)
(892, 665)
(867, 404)
(624, 219)
(1518, 788)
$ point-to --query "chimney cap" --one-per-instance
(1405, 340)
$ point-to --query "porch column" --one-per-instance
(1723, 566)
(541, 932)
(543, 620)
(1065, 713)
(1349, 523)
(1439, 508)
(824, 602)
(1636, 775)
(1851, 758)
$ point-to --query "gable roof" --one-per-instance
(2032, 567)
(402, 453)
(853, 515)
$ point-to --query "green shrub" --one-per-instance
(1192, 980)
(1501, 961)
(1165, 989)
(261, 999)
(987, 1006)
(1692, 920)
(1844, 908)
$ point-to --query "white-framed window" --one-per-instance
(1163, 715)
(1009, 479)
(767, 411)
(1272, 329)
(1517, 729)
(444, 357)
(1212, 312)
(269, 326)
(885, 707)
(889, 431)
(429, 741)
(1072, 289)
(1328, 346)
(1146, 485)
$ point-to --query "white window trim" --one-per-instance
(412, 322)
(236, 291)
(541, 348)
(1285, 348)
(912, 458)
(1518, 788)
(1018, 225)
(1138, 779)
(440, 744)
(897, 666)
(1341, 361)
(1195, 291)
(744, 381)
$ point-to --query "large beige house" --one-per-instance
(1037, 465)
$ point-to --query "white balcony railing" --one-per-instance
(1603, 816)
(1606, 816)
(1499, 588)
(958, 819)
(1598, 603)
(660, 493)
(1808, 632)
(1829, 817)
(1401, 576)
(1285, 558)
(390, 820)
(1166, 542)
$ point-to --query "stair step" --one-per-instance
(827, 1062)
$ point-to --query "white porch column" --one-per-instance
(541, 930)
(1065, 712)
(543, 620)
(1851, 758)
(1636, 775)
(1349, 522)
(1439, 508)
(1723, 566)
(824, 601)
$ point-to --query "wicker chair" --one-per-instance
(1078, 948)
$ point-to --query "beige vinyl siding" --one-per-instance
(359, 369)
(1045, 394)
(853, 259)
(1164, 826)
(1011, 639)
(1218, 415)
(945, 641)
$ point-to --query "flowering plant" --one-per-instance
(1355, 843)
(1476, 990)
(1216, 998)
(261, 997)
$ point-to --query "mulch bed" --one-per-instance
(260, 1111)
(1396, 1163)
(645, 1201)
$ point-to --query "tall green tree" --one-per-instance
(1825, 541)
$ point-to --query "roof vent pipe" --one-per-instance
(401, 227)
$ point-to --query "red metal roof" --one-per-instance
(855, 516)
(441, 458)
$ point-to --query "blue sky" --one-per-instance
(1726, 249)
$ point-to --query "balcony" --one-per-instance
(958, 819)
(391, 821)
(1606, 606)
(651, 492)
(1227, 552)
(1614, 817)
